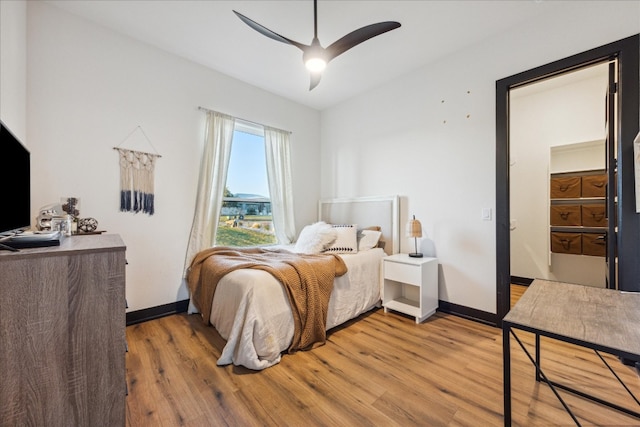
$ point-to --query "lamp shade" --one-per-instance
(414, 228)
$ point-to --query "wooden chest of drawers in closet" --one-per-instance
(577, 213)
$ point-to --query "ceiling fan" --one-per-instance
(314, 55)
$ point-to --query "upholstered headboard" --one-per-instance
(382, 211)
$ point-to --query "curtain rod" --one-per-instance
(244, 120)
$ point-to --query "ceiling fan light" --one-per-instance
(315, 65)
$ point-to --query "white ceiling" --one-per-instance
(209, 33)
(598, 71)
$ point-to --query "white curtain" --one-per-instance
(280, 185)
(213, 175)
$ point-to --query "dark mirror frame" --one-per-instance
(627, 52)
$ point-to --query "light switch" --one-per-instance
(486, 214)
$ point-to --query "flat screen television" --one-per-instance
(15, 184)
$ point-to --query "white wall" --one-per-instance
(88, 88)
(430, 137)
(13, 67)
(558, 116)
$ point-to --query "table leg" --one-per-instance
(543, 377)
(506, 377)
(538, 361)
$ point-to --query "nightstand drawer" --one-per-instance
(405, 273)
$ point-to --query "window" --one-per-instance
(245, 216)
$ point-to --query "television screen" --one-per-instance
(15, 184)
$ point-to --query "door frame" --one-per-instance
(626, 51)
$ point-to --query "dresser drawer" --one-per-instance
(594, 215)
(594, 244)
(565, 187)
(566, 243)
(594, 186)
(569, 215)
(405, 273)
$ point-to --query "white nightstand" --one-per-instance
(410, 285)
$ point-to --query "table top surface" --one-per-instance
(68, 245)
(406, 259)
(600, 318)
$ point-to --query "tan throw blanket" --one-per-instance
(307, 279)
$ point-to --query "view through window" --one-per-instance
(245, 217)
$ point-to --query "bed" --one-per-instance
(251, 309)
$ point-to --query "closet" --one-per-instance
(577, 216)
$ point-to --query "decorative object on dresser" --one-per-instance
(64, 217)
(87, 225)
(71, 205)
(410, 285)
(47, 214)
(414, 229)
(64, 224)
(62, 331)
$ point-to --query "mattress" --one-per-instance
(252, 312)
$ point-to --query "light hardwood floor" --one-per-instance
(379, 370)
(516, 293)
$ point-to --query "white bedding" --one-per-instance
(252, 312)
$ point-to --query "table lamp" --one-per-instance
(414, 229)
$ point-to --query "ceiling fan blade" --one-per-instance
(315, 80)
(358, 36)
(267, 32)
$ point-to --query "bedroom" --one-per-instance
(73, 90)
(79, 67)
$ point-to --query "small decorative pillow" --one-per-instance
(346, 239)
(315, 238)
(368, 239)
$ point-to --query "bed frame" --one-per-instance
(383, 211)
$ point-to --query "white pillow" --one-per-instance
(368, 239)
(315, 238)
(346, 239)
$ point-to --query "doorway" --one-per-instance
(557, 136)
(627, 242)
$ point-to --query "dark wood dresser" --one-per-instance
(62, 334)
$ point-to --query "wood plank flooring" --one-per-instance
(516, 293)
(379, 370)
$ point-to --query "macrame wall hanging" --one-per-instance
(136, 177)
